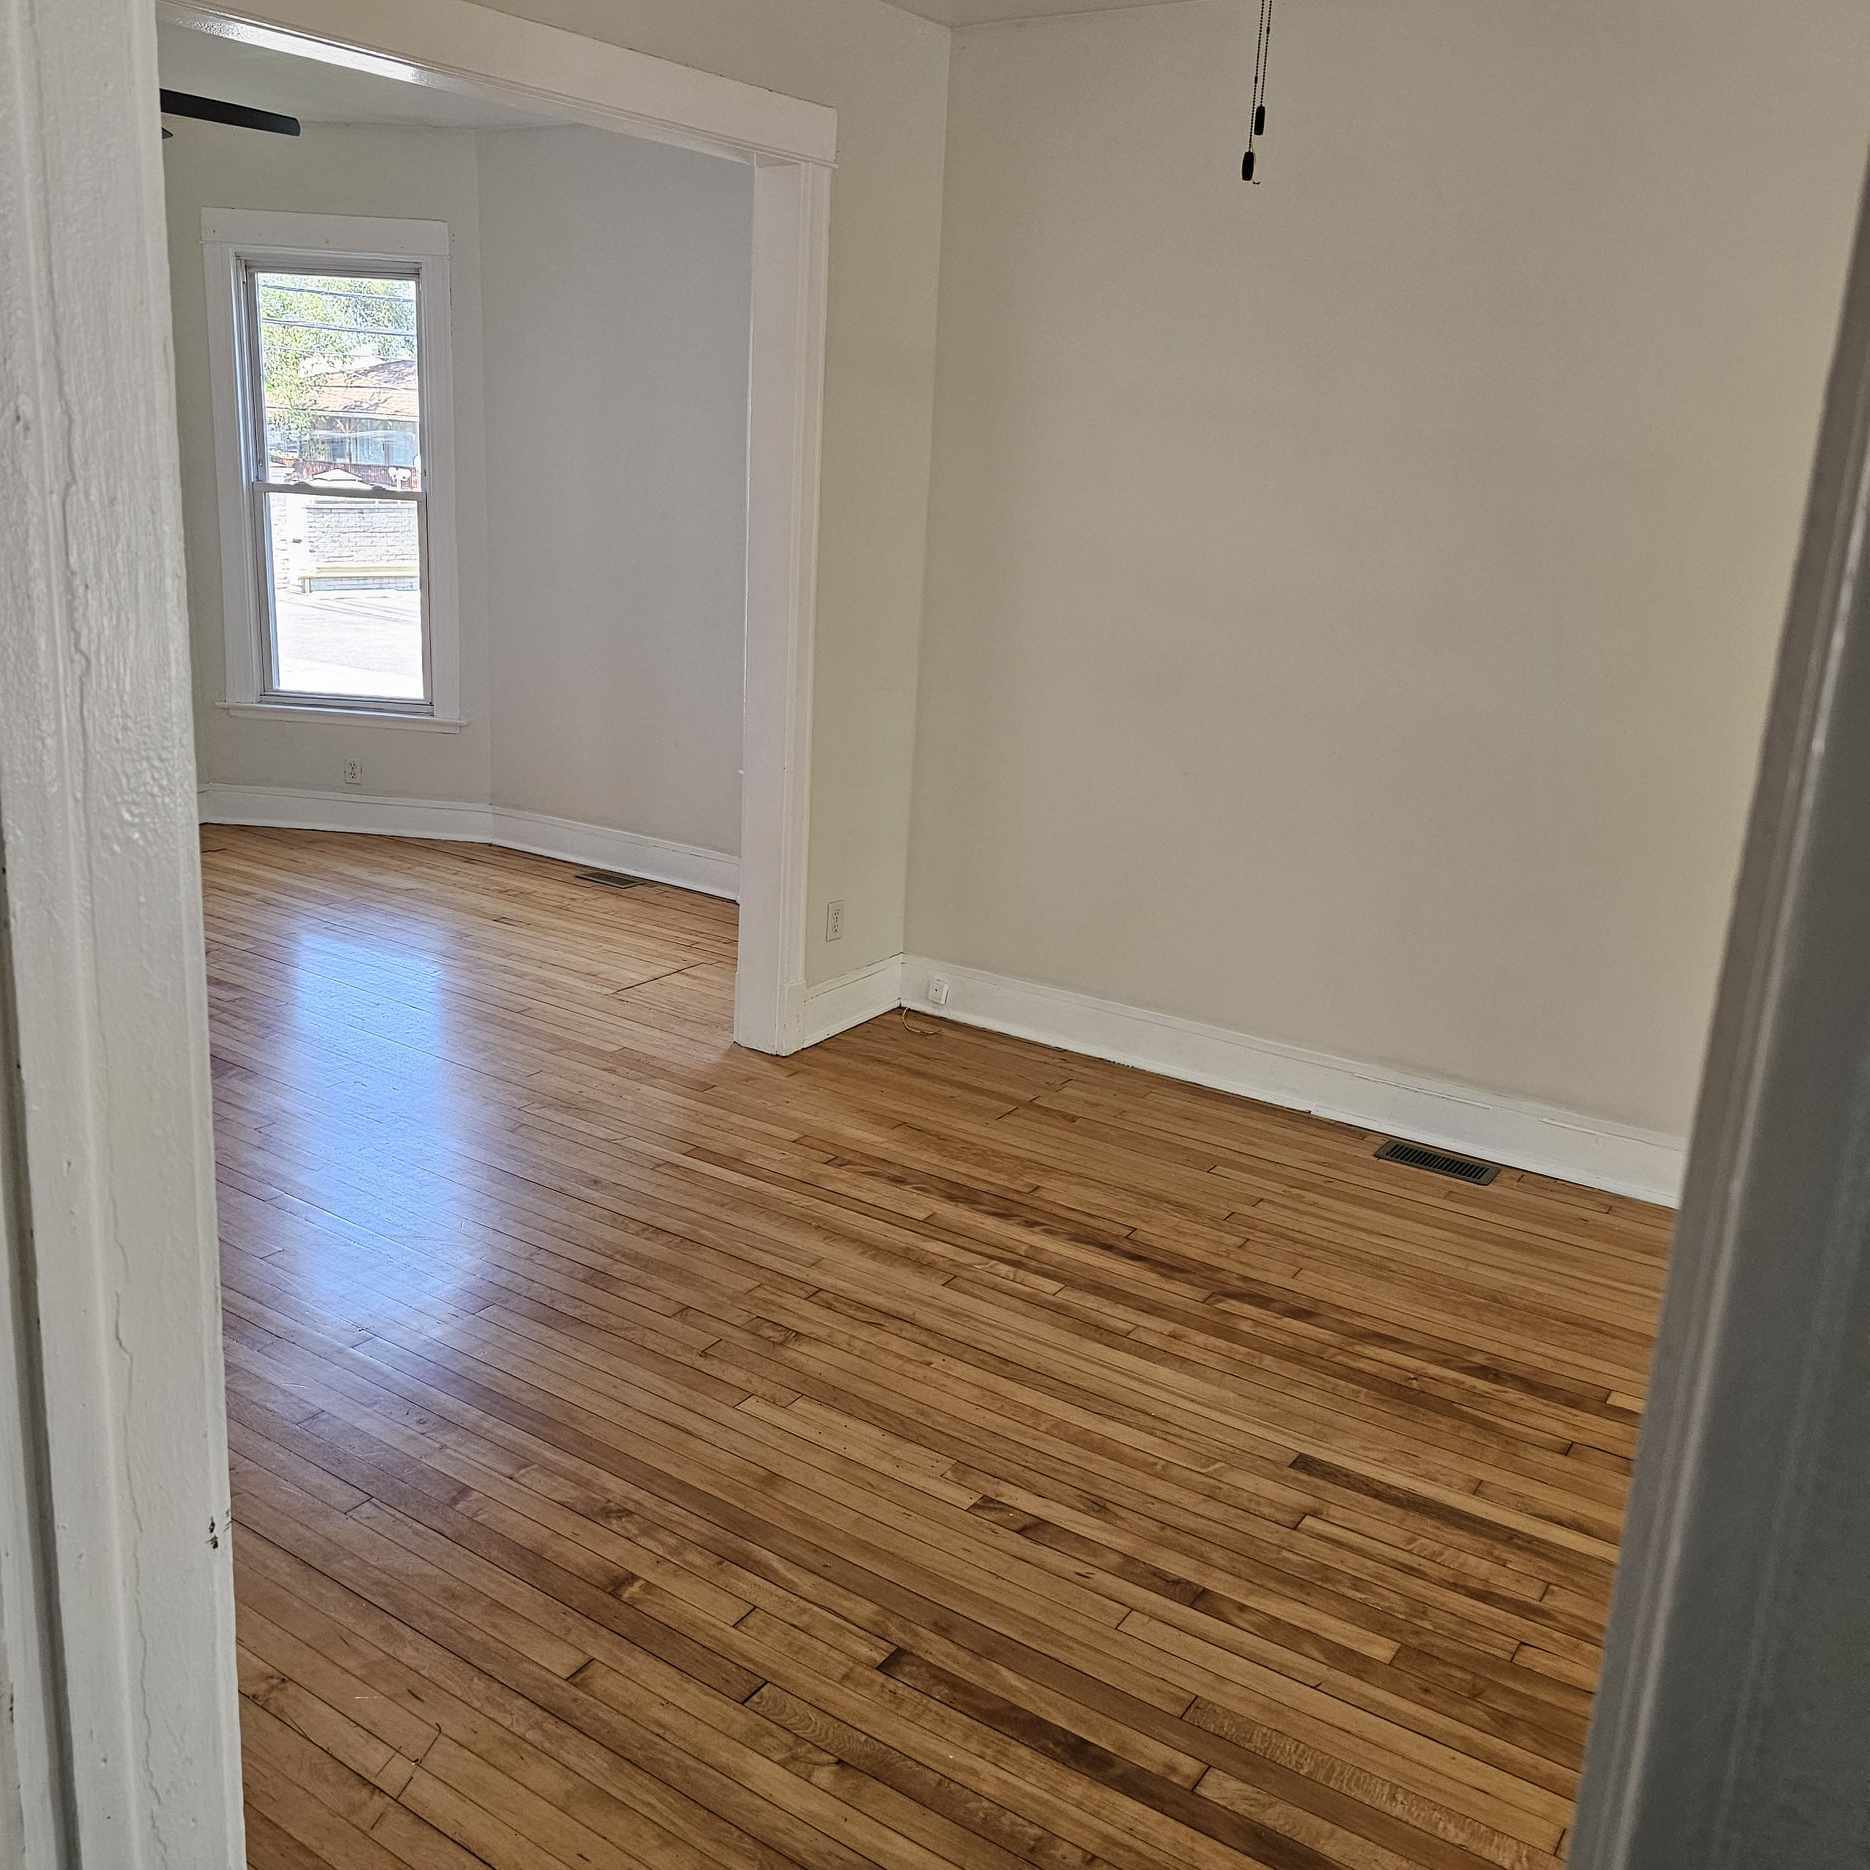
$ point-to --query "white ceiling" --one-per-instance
(986, 12)
(311, 90)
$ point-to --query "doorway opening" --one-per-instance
(543, 579)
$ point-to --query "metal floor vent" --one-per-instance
(1440, 1163)
(611, 879)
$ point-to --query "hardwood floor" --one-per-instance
(928, 1450)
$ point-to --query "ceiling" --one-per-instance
(987, 12)
(313, 91)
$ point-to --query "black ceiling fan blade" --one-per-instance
(215, 110)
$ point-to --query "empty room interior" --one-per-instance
(968, 780)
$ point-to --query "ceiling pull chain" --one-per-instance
(1256, 123)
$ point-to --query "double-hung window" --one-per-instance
(328, 341)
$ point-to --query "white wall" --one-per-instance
(616, 282)
(1351, 599)
(418, 174)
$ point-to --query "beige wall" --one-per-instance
(414, 174)
(615, 282)
(1351, 599)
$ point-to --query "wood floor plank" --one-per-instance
(931, 1449)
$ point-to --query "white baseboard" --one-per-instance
(1524, 1135)
(689, 866)
(293, 809)
(713, 873)
(1544, 1138)
(834, 1006)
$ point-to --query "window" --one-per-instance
(331, 376)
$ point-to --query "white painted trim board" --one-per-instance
(834, 1006)
(687, 866)
(1543, 1138)
(116, 1579)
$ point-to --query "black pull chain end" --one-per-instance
(1262, 45)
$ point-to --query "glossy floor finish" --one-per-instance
(928, 1450)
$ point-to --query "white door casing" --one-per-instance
(129, 1744)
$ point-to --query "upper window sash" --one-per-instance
(397, 329)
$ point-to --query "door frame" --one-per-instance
(116, 1586)
(472, 51)
(1732, 1724)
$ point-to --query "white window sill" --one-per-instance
(351, 717)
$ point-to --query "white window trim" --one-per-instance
(231, 238)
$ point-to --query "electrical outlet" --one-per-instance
(834, 920)
(353, 772)
(938, 991)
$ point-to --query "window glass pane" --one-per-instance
(340, 399)
(347, 596)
